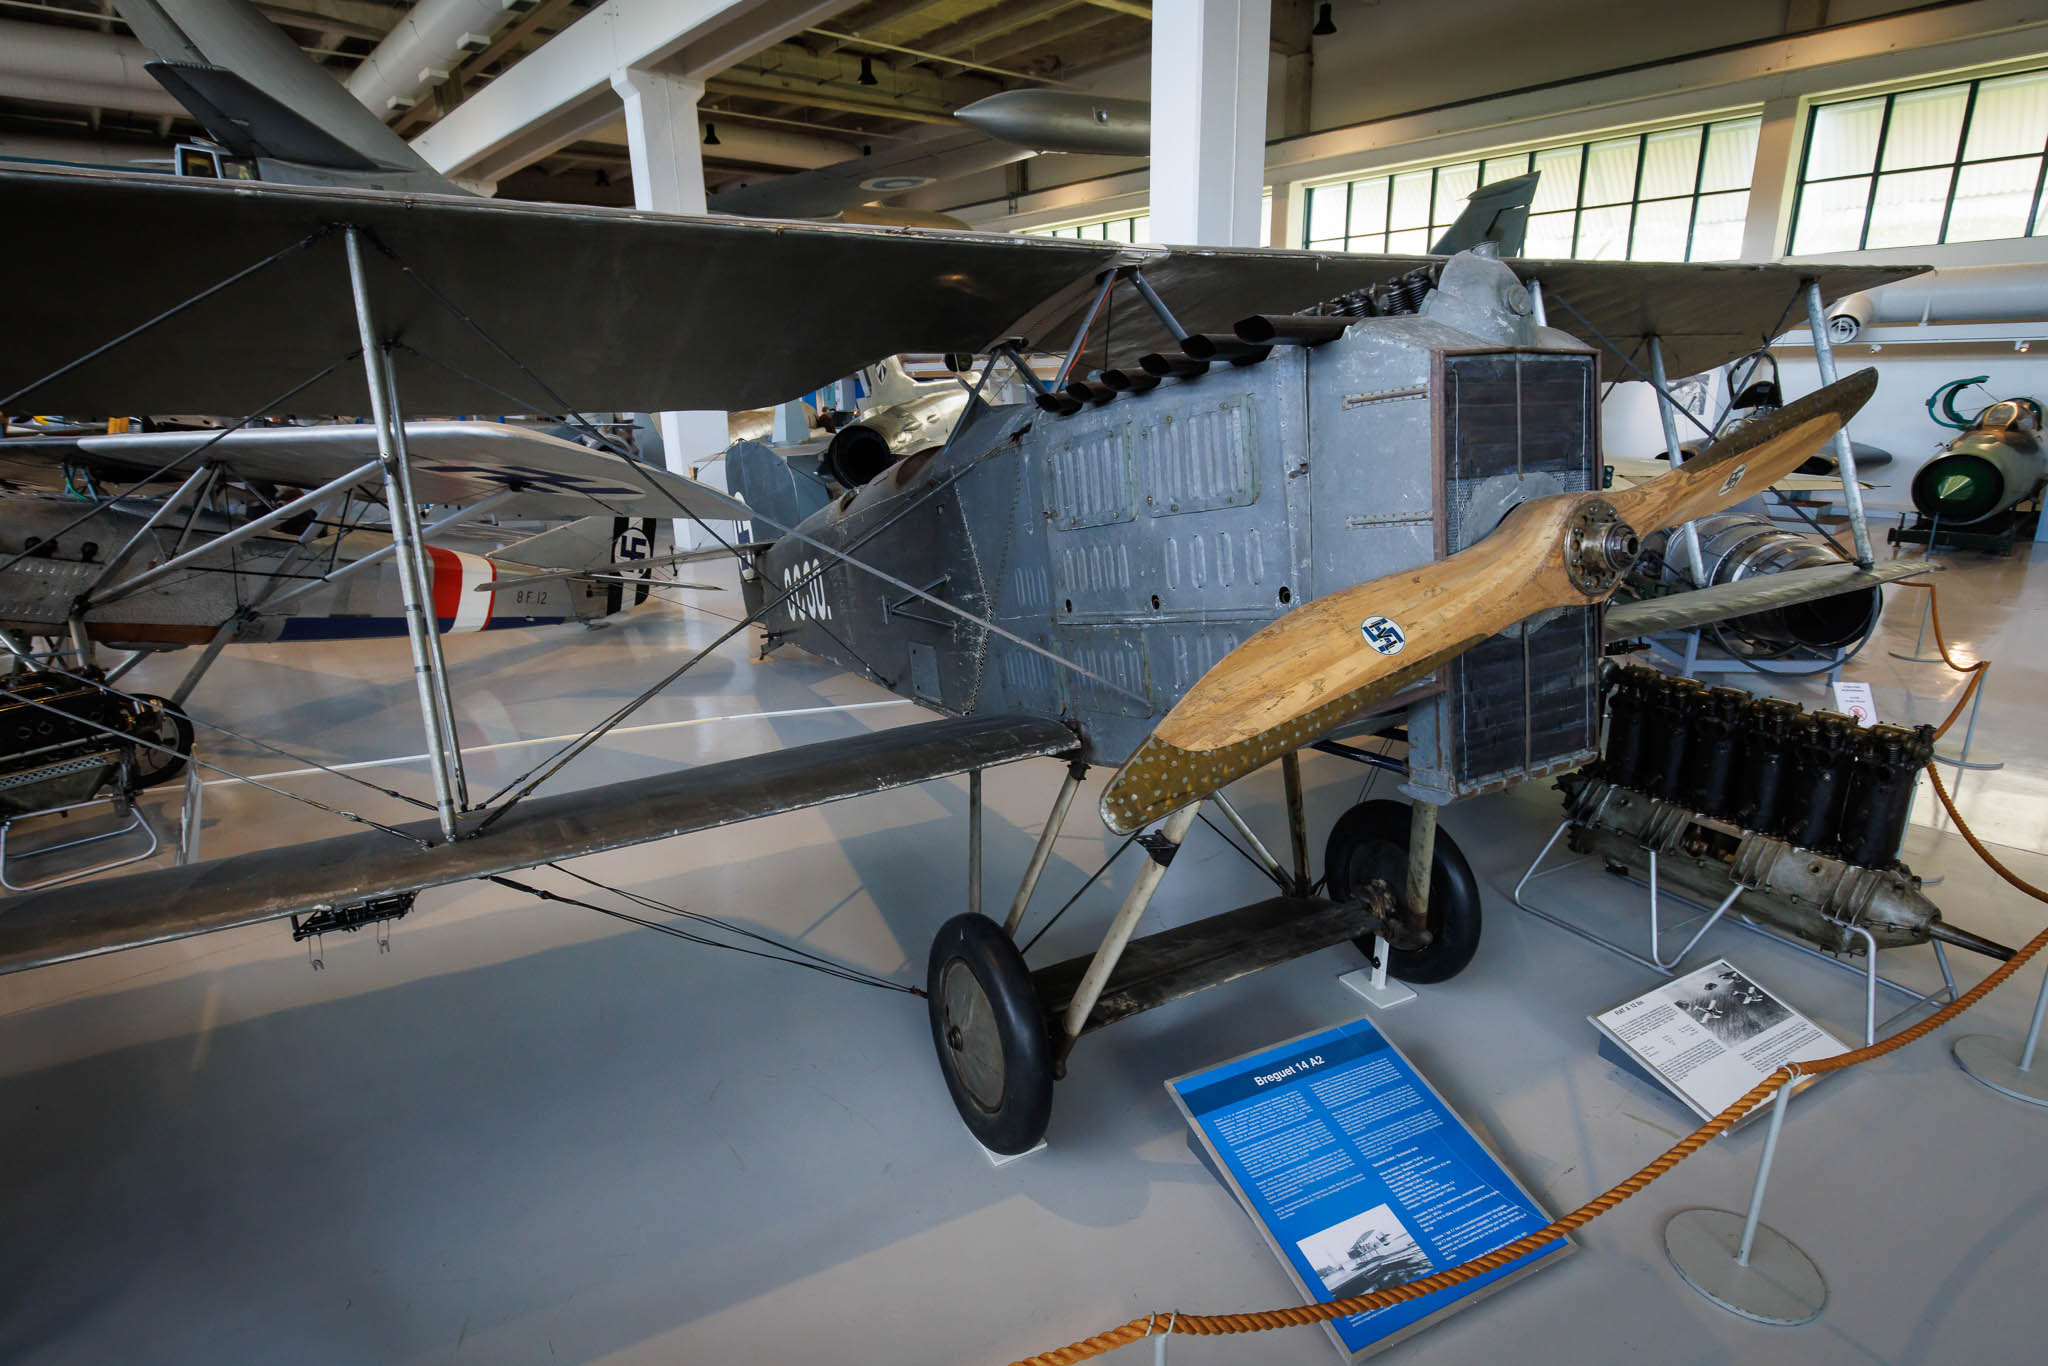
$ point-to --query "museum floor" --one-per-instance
(531, 1134)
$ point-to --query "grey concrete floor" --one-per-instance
(531, 1134)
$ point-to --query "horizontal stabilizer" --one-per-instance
(88, 918)
(1723, 601)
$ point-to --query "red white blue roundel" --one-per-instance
(1383, 634)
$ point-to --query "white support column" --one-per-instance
(1768, 222)
(1209, 62)
(668, 177)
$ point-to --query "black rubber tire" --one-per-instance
(1371, 841)
(1013, 1116)
(153, 766)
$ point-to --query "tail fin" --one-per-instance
(591, 543)
(1497, 212)
(264, 100)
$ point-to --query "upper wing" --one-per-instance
(87, 918)
(452, 462)
(606, 309)
(631, 311)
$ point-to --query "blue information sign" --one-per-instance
(1360, 1176)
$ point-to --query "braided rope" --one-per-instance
(1211, 1325)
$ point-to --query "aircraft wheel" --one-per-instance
(172, 728)
(1371, 841)
(990, 1034)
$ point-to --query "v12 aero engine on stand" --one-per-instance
(1804, 811)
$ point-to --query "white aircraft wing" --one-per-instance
(452, 462)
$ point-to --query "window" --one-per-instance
(1678, 194)
(1131, 228)
(1949, 163)
(1137, 227)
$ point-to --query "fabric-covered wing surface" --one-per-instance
(1706, 313)
(1698, 606)
(617, 309)
(452, 462)
(87, 918)
(612, 308)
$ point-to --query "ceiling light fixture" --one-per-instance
(867, 71)
(1325, 26)
(710, 135)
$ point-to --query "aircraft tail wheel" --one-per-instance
(174, 731)
(1371, 841)
(990, 1034)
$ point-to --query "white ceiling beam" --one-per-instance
(566, 86)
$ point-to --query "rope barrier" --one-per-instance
(1258, 1321)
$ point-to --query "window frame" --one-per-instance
(1584, 144)
(1876, 172)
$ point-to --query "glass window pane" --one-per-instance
(1371, 241)
(1550, 236)
(1141, 228)
(1369, 205)
(1992, 200)
(1671, 162)
(1611, 171)
(1411, 200)
(1454, 185)
(1717, 226)
(1831, 216)
(1844, 138)
(2011, 117)
(1326, 212)
(1603, 234)
(1925, 126)
(1559, 186)
(1660, 230)
(1414, 242)
(1907, 209)
(1731, 156)
(1503, 168)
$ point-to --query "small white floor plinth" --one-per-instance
(1994, 1059)
(1781, 1286)
(996, 1159)
(1393, 993)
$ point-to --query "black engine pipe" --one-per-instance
(1294, 329)
(1176, 367)
(1216, 346)
(1129, 382)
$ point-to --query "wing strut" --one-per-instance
(428, 668)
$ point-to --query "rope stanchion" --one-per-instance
(1211, 1325)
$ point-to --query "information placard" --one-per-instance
(1359, 1176)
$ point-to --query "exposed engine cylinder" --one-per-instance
(1805, 810)
(1734, 546)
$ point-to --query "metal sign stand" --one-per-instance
(2004, 1065)
(1872, 979)
(1741, 1264)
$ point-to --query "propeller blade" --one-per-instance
(1334, 657)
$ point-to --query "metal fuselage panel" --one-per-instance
(1145, 538)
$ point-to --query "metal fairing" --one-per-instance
(1145, 538)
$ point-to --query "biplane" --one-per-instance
(1271, 500)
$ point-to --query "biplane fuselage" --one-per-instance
(37, 593)
(1144, 538)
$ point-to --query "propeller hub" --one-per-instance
(1599, 547)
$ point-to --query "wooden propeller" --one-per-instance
(1331, 659)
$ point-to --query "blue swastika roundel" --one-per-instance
(1384, 635)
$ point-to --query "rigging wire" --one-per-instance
(822, 966)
